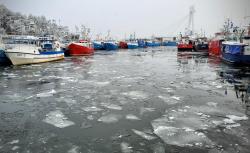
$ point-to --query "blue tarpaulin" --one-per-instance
(233, 49)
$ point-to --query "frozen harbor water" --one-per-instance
(151, 100)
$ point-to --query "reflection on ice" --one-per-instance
(57, 119)
(110, 118)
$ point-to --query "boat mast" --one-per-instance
(190, 29)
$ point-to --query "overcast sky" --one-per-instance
(145, 17)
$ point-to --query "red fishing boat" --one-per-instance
(82, 48)
(123, 45)
(185, 44)
(214, 47)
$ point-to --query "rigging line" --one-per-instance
(173, 26)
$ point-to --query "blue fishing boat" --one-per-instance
(235, 53)
(132, 45)
(141, 44)
(149, 43)
(153, 44)
(98, 45)
(110, 45)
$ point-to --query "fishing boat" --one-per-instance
(83, 47)
(110, 45)
(234, 52)
(141, 43)
(123, 45)
(133, 45)
(49, 50)
(185, 44)
(214, 47)
(150, 43)
(98, 45)
(201, 45)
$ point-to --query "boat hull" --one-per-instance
(141, 44)
(214, 47)
(78, 50)
(170, 43)
(98, 46)
(185, 47)
(20, 58)
(132, 46)
(110, 46)
(4, 60)
(235, 59)
(123, 45)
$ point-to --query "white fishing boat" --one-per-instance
(38, 52)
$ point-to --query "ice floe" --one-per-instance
(213, 104)
(169, 90)
(14, 142)
(144, 135)
(169, 100)
(181, 136)
(74, 149)
(15, 148)
(110, 118)
(102, 83)
(126, 148)
(132, 117)
(146, 109)
(57, 119)
(92, 109)
(46, 94)
(112, 106)
(136, 95)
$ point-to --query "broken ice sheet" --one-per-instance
(57, 119)
(180, 137)
(144, 135)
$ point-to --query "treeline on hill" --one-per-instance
(14, 23)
